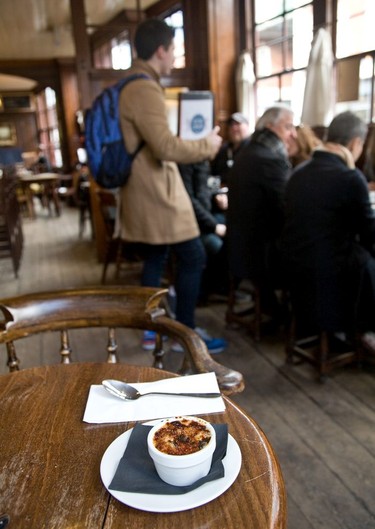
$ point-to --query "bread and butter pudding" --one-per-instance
(182, 436)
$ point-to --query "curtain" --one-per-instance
(317, 107)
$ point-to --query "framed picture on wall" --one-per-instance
(17, 103)
(8, 137)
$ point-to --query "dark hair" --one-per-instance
(151, 34)
(346, 126)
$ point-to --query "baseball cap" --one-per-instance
(238, 117)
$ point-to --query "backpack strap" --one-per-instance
(124, 82)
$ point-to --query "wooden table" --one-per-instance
(50, 459)
(48, 182)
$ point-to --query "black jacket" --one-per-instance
(224, 160)
(328, 240)
(255, 212)
(195, 177)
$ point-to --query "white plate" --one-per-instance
(169, 503)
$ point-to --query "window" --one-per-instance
(355, 85)
(121, 52)
(356, 57)
(48, 130)
(283, 33)
(355, 27)
(176, 21)
(115, 53)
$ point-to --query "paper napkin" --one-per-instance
(102, 407)
(136, 471)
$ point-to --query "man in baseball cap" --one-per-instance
(237, 117)
(238, 136)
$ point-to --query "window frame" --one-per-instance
(324, 15)
(49, 135)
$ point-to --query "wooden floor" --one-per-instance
(323, 434)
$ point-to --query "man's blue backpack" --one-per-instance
(108, 159)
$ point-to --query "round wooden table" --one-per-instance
(48, 183)
(50, 459)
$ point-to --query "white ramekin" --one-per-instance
(182, 470)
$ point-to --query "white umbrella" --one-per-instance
(245, 79)
(317, 107)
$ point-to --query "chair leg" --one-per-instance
(240, 317)
(118, 258)
(13, 361)
(65, 351)
(257, 314)
(159, 352)
(112, 346)
(107, 259)
(81, 221)
(323, 350)
(291, 337)
(323, 355)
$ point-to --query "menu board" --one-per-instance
(195, 114)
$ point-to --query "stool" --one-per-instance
(324, 350)
(251, 316)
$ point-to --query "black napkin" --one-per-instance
(136, 471)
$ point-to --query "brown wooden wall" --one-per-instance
(211, 53)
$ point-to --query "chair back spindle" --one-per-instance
(110, 307)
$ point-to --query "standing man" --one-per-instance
(329, 235)
(255, 211)
(155, 207)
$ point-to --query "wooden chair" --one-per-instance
(81, 198)
(11, 233)
(110, 307)
(250, 315)
(118, 251)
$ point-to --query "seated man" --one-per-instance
(329, 235)
(238, 137)
(212, 225)
(255, 209)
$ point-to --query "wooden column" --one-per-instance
(83, 53)
(223, 53)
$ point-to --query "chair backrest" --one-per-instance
(108, 206)
(108, 307)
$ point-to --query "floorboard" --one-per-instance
(323, 434)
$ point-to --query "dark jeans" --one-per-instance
(189, 264)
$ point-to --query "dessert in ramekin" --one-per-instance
(182, 449)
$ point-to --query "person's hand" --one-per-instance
(221, 230)
(221, 200)
(214, 139)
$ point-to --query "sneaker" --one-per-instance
(149, 340)
(214, 345)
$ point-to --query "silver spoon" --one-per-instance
(127, 392)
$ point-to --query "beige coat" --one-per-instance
(155, 207)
